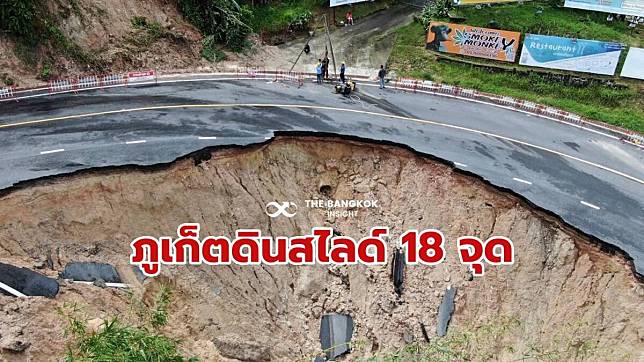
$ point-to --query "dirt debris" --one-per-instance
(562, 291)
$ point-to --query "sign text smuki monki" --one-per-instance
(473, 41)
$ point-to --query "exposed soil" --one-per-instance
(563, 290)
(103, 31)
(363, 47)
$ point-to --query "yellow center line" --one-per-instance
(337, 109)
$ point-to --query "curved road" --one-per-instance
(593, 181)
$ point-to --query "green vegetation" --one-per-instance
(153, 31)
(46, 70)
(489, 341)
(210, 50)
(17, 17)
(289, 14)
(297, 15)
(119, 341)
(622, 106)
(538, 17)
(225, 20)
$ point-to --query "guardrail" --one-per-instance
(6, 93)
(89, 82)
(75, 84)
(415, 85)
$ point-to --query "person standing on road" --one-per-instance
(343, 69)
(318, 71)
(325, 67)
(381, 76)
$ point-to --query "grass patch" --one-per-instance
(618, 106)
(119, 341)
(537, 17)
(497, 337)
(278, 17)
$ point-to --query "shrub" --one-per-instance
(434, 10)
(210, 51)
(118, 341)
(223, 19)
(46, 70)
(299, 20)
(139, 22)
(17, 17)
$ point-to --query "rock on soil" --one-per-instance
(563, 291)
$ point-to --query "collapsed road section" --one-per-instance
(565, 289)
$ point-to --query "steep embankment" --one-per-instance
(564, 296)
(87, 36)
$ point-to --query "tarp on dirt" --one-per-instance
(90, 272)
(445, 311)
(398, 271)
(27, 282)
(335, 334)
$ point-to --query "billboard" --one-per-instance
(634, 65)
(578, 55)
(473, 41)
(625, 7)
(333, 3)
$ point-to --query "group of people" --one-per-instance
(322, 69)
(322, 72)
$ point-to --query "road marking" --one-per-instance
(207, 138)
(460, 164)
(135, 142)
(52, 151)
(327, 108)
(215, 77)
(590, 205)
(522, 181)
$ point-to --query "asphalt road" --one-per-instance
(592, 181)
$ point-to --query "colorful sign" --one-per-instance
(634, 64)
(625, 7)
(333, 3)
(473, 41)
(475, 2)
(578, 55)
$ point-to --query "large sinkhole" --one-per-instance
(563, 297)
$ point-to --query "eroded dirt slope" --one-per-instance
(103, 32)
(562, 292)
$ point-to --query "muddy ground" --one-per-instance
(564, 295)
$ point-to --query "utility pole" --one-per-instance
(328, 37)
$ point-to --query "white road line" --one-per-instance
(590, 205)
(11, 291)
(460, 164)
(214, 77)
(135, 142)
(207, 138)
(328, 108)
(52, 151)
(522, 181)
